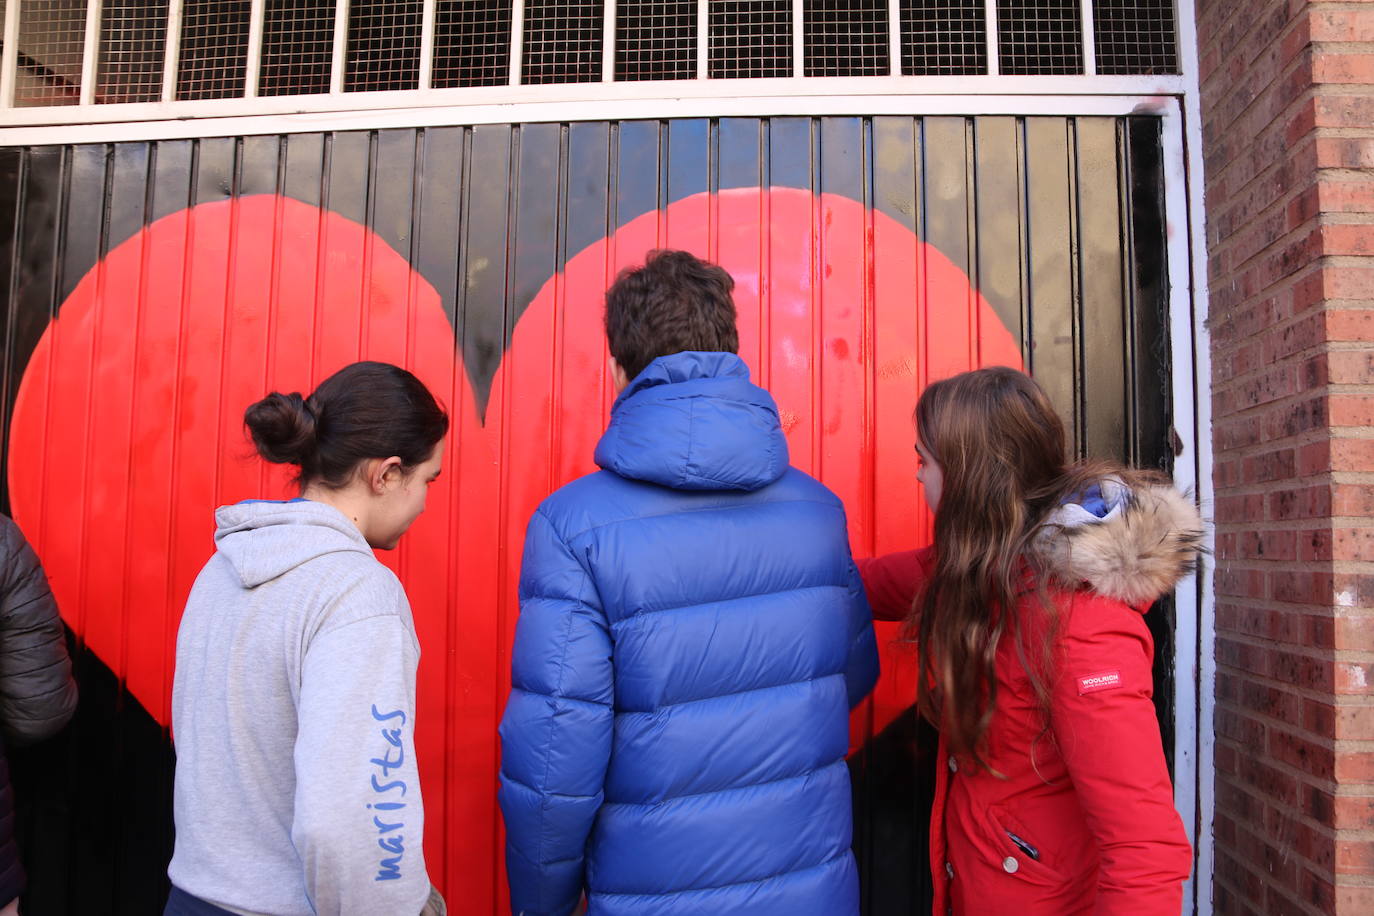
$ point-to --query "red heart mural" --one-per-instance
(127, 431)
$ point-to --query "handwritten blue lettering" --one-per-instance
(389, 866)
(394, 784)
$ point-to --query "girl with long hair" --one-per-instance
(293, 704)
(1052, 794)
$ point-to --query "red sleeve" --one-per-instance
(893, 580)
(1104, 722)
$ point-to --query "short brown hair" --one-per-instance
(675, 302)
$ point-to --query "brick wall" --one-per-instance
(1288, 145)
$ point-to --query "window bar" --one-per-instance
(90, 52)
(1089, 38)
(703, 39)
(798, 38)
(336, 61)
(894, 36)
(608, 42)
(517, 40)
(9, 60)
(172, 55)
(990, 19)
(256, 11)
(427, 46)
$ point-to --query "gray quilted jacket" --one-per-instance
(37, 693)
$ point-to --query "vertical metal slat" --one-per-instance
(9, 60)
(608, 42)
(172, 54)
(990, 27)
(894, 37)
(517, 40)
(336, 60)
(703, 39)
(798, 38)
(426, 80)
(1089, 38)
(90, 52)
(256, 13)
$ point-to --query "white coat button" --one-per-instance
(949, 869)
(953, 764)
(1010, 865)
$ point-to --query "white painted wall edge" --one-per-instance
(600, 110)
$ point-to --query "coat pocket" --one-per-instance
(1024, 853)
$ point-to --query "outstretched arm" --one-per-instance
(893, 580)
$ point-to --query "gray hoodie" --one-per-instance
(293, 711)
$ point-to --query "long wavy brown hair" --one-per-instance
(1001, 449)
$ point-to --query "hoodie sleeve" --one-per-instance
(861, 671)
(358, 822)
(1104, 723)
(556, 732)
(37, 692)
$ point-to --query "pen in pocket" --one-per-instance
(1025, 847)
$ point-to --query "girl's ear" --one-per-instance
(381, 473)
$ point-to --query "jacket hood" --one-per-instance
(264, 539)
(694, 421)
(1130, 544)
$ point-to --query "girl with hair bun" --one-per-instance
(1052, 794)
(293, 705)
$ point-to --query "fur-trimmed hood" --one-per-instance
(1130, 544)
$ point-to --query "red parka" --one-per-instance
(1077, 818)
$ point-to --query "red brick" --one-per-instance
(1342, 239)
(1340, 25)
(1354, 857)
(1351, 409)
(1354, 632)
(1339, 68)
(1351, 454)
(1350, 367)
(1289, 505)
(1346, 196)
(1345, 152)
(1354, 899)
(1301, 586)
(1354, 678)
(1346, 282)
(1355, 767)
(1352, 590)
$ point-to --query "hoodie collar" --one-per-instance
(263, 540)
(694, 421)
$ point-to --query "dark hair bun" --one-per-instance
(283, 428)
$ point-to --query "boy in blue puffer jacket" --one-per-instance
(692, 636)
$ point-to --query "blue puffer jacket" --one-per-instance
(692, 636)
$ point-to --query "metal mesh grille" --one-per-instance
(383, 45)
(656, 40)
(471, 43)
(133, 40)
(214, 42)
(750, 39)
(562, 41)
(297, 45)
(1039, 36)
(944, 37)
(52, 36)
(1135, 37)
(846, 37)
